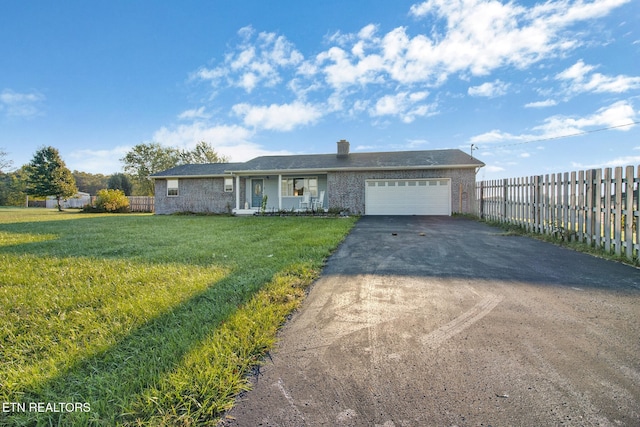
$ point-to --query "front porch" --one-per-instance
(280, 193)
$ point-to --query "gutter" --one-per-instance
(352, 169)
(186, 176)
(319, 170)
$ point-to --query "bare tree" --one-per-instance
(5, 163)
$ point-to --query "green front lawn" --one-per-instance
(141, 319)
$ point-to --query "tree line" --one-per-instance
(47, 174)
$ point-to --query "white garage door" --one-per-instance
(408, 197)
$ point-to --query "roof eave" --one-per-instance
(321, 170)
(187, 176)
(351, 169)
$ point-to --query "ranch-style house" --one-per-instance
(427, 182)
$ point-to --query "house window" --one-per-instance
(172, 187)
(228, 185)
(300, 186)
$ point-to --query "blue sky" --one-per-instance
(95, 78)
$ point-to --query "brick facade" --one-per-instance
(346, 190)
(204, 195)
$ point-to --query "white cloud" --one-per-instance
(194, 114)
(232, 141)
(463, 40)
(495, 135)
(489, 89)
(618, 161)
(416, 143)
(576, 72)
(493, 169)
(188, 135)
(404, 105)
(470, 31)
(341, 72)
(257, 60)
(15, 104)
(617, 115)
(541, 104)
(284, 117)
(97, 161)
(580, 78)
(465, 37)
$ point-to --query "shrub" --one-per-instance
(112, 201)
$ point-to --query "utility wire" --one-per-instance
(565, 136)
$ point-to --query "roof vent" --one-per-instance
(343, 148)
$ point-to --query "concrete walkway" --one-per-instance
(439, 321)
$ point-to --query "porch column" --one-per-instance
(237, 191)
(279, 192)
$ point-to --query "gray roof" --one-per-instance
(425, 159)
(205, 170)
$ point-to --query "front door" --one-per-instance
(256, 193)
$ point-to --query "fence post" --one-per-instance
(519, 216)
(597, 204)
(538, 203)
(525, 201)
(503, 208)
(572, 209)
(636, 213)
(565, 204)
(556, 207)
(545, 200)
(580, 208)
(628, 222)
(589, 206)
(481, 199)
(607, 210)
(617, 234)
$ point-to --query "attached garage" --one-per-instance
(408, 197)
(424, 182)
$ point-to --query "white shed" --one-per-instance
(79, 200)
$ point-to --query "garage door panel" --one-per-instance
(408, 197)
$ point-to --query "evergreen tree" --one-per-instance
(13, 187)
(120, 181)
(47, 175)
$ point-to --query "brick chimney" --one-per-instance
(343, 148)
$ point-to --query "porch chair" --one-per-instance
(319, 202)
(305, 202)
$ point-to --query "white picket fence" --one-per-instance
(600, 207)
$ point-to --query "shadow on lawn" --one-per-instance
(112, 381)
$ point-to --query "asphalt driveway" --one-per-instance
(440, 321)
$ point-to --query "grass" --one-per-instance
(145, 320)
(517, 230)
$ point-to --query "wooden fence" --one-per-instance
(599, 207)
(137, 203)
(141, 203)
